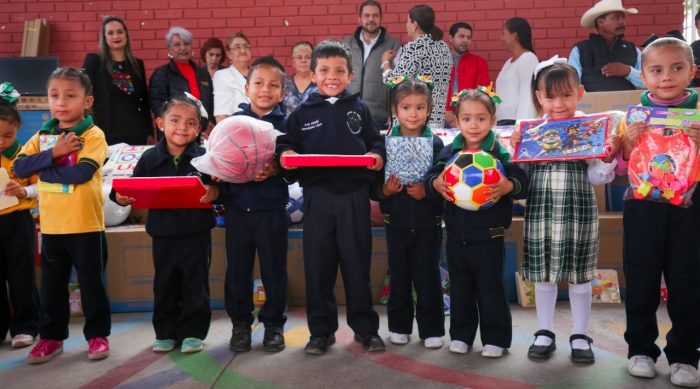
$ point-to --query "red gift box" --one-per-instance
(327, 160)
(162, 192)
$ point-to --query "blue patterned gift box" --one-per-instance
(409, 158)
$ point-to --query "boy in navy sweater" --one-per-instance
(256, 219)
(336, 200)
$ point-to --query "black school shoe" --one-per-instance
(582, 356)
(240, 337)
(371, 342)
(318, 345)
(542, 352)
(273, 341)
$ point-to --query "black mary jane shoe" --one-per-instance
(579, 355)
(542, 352)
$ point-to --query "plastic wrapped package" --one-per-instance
(663, 167)
(238, 148)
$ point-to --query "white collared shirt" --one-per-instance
(367, 46)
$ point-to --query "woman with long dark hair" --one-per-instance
(513, 82)
(121, 107)
(425, 55)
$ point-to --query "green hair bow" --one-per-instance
(9, 93)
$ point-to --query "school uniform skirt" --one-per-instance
(561, 224)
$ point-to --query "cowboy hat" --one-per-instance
(601, 8)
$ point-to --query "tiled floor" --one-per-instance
(346, 365)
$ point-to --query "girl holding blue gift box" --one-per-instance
(413, 224)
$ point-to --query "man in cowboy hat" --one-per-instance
(605, 61)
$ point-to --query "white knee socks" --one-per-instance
(545, 301)
(580, 300)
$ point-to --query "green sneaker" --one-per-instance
(191, 345)
(163, 345)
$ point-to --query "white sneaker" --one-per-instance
(433, 342)
(459, 347)
(398, 338)
(641, 366)
(684, 375)
(22, 340)
(491, 351)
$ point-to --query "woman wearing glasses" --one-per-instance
(300, 85)
(229, 83)
(180, 75)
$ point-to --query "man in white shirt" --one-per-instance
(367, 44)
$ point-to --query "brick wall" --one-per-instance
(274, 25)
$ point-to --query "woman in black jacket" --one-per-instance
(180, 75)
(121, 107)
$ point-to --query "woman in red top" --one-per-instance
(180, 75)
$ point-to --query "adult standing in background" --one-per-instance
(118, 80)
(180, 75)
(696, 53)
(367, 45)
(513, 83)
(229, 83)
(605, 61)
(212, 54)
(425, 54)
(468, 70)
(300, 85)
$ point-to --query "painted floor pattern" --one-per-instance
(133, 365)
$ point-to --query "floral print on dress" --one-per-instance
(122, 80)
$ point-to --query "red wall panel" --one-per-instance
(274, 25)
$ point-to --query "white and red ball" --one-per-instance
(238, 148)
(468, 174)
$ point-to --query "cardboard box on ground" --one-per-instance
(130, 268)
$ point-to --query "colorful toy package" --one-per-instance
(663, 167)
(605, 287)
(562, 139)
(661, 117)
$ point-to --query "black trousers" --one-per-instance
(413, 262)
(337, 231)
(181, 286)
(266, 233)
(662, 239)
(17, 255)
(477, 293)
(59, 254)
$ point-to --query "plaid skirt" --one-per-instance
(561, 224)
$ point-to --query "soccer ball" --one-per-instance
(468, 174)
(295, 205)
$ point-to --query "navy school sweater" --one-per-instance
(157, 162)
(271, 194)
(344, 127)
(473, 226)
(402, 211)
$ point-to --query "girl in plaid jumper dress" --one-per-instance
(561, 221)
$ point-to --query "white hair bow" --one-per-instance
(545, 64)
(202, 111)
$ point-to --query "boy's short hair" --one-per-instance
(268, 61)
(330, 48)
